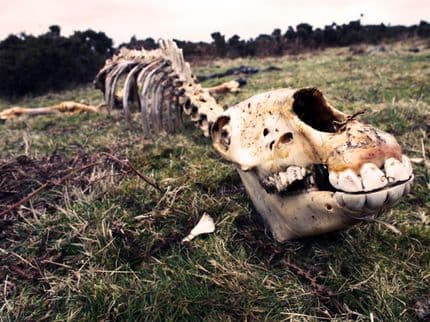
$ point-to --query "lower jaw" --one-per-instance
(308, 214)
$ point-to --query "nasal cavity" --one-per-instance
(311, 108)
(286, 137)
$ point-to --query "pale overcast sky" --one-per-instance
(197, 19)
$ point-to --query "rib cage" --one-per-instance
(162, 86)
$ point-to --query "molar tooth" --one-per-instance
(295, 173)
(407, 164)
(375, 200)
(303, 171)
(282, 181)
(349, 181)
(395, 170)
(333, 177)
(354, 202)
(372, 177)
(395, 193)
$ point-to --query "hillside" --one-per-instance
(100, 244)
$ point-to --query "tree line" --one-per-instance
(34, 65)
(30, 64)
(303, 37)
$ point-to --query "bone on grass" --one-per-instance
(232, 86)
(68, 108)
(205, 225)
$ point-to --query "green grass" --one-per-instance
(111, 251)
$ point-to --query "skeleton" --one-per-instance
(307, 167)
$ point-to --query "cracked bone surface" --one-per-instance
(307, 167)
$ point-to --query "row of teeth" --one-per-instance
(283, 179)
(372, 178)
(373, 200)
(391, 184)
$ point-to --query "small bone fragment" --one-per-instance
(205, 225)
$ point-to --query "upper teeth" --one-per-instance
(396, 170)
(283, 179)
(371, 177)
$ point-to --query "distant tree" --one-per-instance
(290, 34)
(423, 29)
(237, 47)
(277, 38)
(318, 38)
(55, 30)
(304, 32)
(219, 43)
(331, 35)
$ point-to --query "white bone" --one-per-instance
(408, 186)
(395, 170)
(353, 202)
(295, 173)
(395, 193)
(281, 181)
(349, 181)
(333, 177)
(372, 177)
(204, 226)
(375, 200)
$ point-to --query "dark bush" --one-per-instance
(36, 65)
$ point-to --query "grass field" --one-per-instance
(103, 245)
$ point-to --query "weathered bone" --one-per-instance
(205, 225)
(150, 67)
(307, 167)
(272, 132)
(232, 86)
(68, 108)
(130, 82)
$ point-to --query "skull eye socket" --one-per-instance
(311, 107)
(220, 132)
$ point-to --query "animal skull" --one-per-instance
(308, 168)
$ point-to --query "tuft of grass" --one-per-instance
(110, 249)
